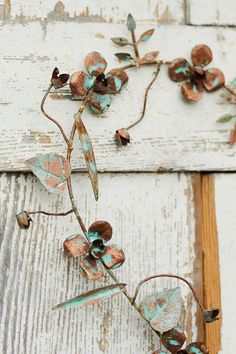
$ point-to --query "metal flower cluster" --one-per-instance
(161, 310)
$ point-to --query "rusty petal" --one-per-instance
(59, 80)
(173, 339)
(76, 245)
(102, 229)
(97, 249)
(99, 103)
(210, 315)
(117, 79)
(122, 137)
(214, 79)
(80, 83)
(201, 55)
(23, 220)
(192, 90)
(194, 348)
(114, 257)
(91, 268)
(180, 69)
(95, 63)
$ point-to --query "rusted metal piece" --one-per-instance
(94, 296)
(76, 246)
(97, 249)
(91, 268)
(114, 257)
(194, 348)
(122, 137)
(197, 77)
(117, 80)
(100, 228)
(173, 339)
(59, 80)
(80, 83)
(210, 315)
(95, 63)
(23, 220)
(146, 35)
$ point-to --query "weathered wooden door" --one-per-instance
(167, 194)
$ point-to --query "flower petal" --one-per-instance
(91, 268)
(173, 339)
(80, 83)
(114, 257)
(99, 103)
(195, 347)
(95, 63)
(76, 246)
(192, 90)
(201, 55)
(180, 69)
(214, 79)
(117, 79)
(100, 230)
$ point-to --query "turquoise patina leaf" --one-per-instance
(93, 296)
(146, 35)
(162, 310)
(131, 24)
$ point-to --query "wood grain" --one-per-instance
(153, 220)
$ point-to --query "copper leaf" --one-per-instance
(123, 56)
(88, 153)
(121, 41)
(151, 56)
(146, 35)
(93, 296)
(226, 118)
(162, 310)
(131, 24)
(52, 170)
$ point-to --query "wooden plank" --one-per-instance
(163, 11)
(153, 219)
(178, 136)
(212, 12)
(225, 187)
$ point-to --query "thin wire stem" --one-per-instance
(49, 214)
(167, 276)
(146, 96)
(49, 117)
(135, 44)
(230, 90)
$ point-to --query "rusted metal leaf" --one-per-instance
(210, 315)
(213, 80)
(91, 268)
(194, 348)
(80, 83)
(94, 296)
(131, 24)
(59, 80)
(124, 56)
(201, 55)
(95, 63)
(114, 257)
(88, 153)
(151, 56)
(146, 35)
(117, 80)
(180, 70)
(100, 230)
(52, 170)
(76, 246)
(122, 137)
(121, 41)
(192, 90)
(173, 339)
(162, 310)
(99, 103)
(226, 118)
(23, 220)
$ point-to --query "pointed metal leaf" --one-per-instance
(52, 170)
(226, 118)
(131, 24)
(146, 35)
(93, 296)
(123, 56)
(88, 153)
(121, 41)
(162, 310)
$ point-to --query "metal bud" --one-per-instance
(23, 220)
(122, 137)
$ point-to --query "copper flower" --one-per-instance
(197, 77)
(103, 85)
(95, 251)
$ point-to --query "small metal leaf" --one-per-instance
(93, 296)
(88, 153)
(162, 310)
(121, 41)
(52, 170)
(146, 35)
(123, 56)
(225, 118)
(173, 339)
(210, 315)
(131, 24)
(151, 56)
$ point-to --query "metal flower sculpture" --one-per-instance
(196, 75)
(102, 85)
(96, 253)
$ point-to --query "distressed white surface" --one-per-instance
(225, 187)
(152, 218)
(179, 136)
(212, 12)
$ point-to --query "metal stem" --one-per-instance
(48, 213)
